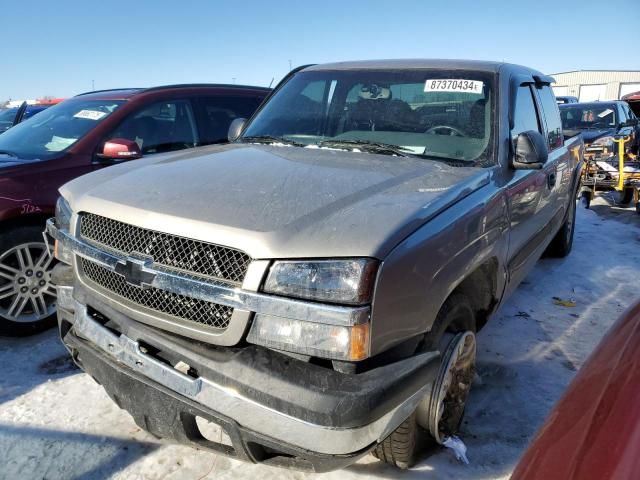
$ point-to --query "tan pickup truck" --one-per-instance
(314, 287)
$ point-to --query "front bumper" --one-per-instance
(275, 409)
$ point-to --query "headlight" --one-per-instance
(63, 214)
(63, 222)
(334, 342)
(348, 281)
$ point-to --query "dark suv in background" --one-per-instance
(598, 122)
(10, 117)
(82, 134)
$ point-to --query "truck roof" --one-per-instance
(417, 63)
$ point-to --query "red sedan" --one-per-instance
(594, 430)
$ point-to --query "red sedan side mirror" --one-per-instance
(120, 149)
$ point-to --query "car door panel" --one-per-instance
(528, 195)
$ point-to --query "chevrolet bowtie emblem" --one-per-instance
(136, 271)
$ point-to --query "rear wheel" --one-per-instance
(623, 197)
(27, 296)
(562, 243)
(440, 412)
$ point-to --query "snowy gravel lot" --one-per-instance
(56, 423)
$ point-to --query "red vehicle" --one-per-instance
(594, 430)
(77, 136)
(633, 99)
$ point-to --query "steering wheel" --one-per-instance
(454, 131)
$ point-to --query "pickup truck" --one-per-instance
(85, 133)
(313, 289)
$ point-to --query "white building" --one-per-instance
(590, 85)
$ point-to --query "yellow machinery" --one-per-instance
(605, 174)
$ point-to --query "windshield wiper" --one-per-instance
(370, 147)
(452, 162)
(271, 139)
(7, 152)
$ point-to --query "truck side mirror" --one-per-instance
(118, 149)
(531, 151)
(235, 129)
(632, 122)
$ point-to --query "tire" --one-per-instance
(401, 448)
(27, 296)
(624, 197)
(562, 243)
(585, 199)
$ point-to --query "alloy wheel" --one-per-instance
(26, 292)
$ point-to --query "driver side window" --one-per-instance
(160, 127)
(525, 116)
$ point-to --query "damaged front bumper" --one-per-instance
(275, 409)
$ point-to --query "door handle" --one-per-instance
(551, 180)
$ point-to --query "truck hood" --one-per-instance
(278, 201)
(591, 135)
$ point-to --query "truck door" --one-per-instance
(527, 194)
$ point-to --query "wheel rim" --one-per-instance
(452, 386)
(26, 292)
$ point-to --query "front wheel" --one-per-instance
(585, 199)
(440, 412)
(623, 197)
(27, 296)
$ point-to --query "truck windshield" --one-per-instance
(55, 129)
(438, 114)
(579, 116)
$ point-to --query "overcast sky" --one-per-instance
(58, 48)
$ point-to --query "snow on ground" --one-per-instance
(56, 423)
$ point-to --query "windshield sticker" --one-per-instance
(605, 113)
(90, 114)
(57, 144)
(454, 85)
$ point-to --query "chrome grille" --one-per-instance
(169, 251)
(169, 304)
